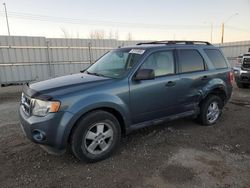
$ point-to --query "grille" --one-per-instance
(245, 77)
(247, 66)
(246, 63)
(26, 104)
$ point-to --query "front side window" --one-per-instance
(190, 61)
(115, 64)
(161, 62)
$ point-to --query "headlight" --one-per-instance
(236, 72)
(42, 108)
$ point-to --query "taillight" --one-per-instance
(230, 77)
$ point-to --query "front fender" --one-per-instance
(100, 101)
(96, 101)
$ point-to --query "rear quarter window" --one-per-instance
(216, 57)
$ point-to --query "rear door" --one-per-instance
(193, 77)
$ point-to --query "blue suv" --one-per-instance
(126, 89)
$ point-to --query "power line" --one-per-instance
(36, 17)
(238, 29)
(77, 21)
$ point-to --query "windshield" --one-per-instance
(116, 63)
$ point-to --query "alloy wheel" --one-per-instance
(213, 112)
(98, 138)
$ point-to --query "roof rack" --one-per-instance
(168, 42)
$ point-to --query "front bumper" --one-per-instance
(55, 128)
(241, 76)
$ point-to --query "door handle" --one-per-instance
(170, 84)
(204, 77)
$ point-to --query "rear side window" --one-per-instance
(216, 58)
(190, 61)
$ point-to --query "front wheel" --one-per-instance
(210, 110)
(96, 136)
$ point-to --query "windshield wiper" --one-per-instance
(95, 73)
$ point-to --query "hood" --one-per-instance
(67, 83)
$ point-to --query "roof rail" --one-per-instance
(168, 42)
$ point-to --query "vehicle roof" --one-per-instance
(164, 46)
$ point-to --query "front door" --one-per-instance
(156, 98)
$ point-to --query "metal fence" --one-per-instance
(233, 49)
(25, 59)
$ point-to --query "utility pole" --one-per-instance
(222, 33)
(6, 15)
(211, 30)
(223, 26)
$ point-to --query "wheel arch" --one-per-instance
(219, 91)
(115, 112)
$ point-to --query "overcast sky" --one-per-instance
(148, 20)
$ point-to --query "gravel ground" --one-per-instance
(178, 154)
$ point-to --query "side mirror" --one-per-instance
(145, 74)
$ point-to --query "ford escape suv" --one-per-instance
(126, 89)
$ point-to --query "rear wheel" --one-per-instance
(210, 110)
(96, 136)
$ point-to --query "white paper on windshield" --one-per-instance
(137, 51)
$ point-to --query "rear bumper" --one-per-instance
(229, 93)
(53, 129)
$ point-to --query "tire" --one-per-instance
(242, 85)
(246, 85)
(208, 106)
(96, 136)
